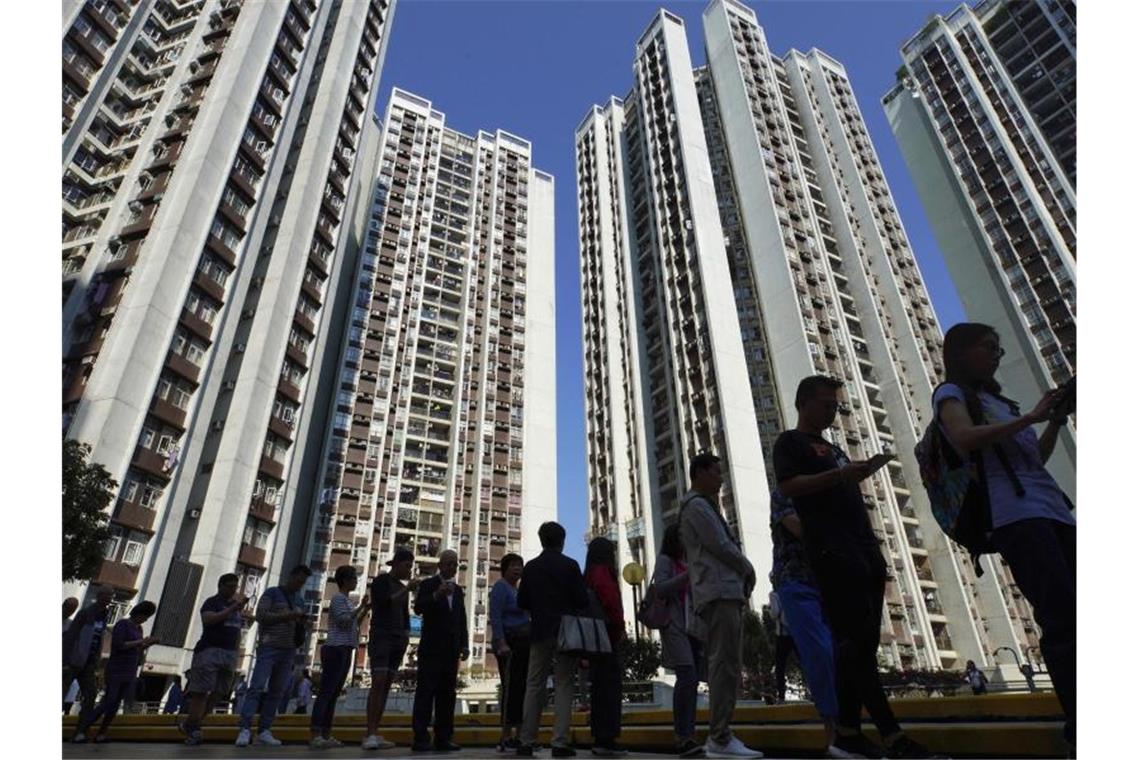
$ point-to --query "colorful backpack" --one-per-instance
(957, 488)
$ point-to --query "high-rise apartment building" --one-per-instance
(984, 112)
(219, 167)
(810, 271)
(441, 427)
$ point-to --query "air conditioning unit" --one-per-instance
(229, 385)
(248, 313)
(194, 66)
(218, 425)
(194, 514)
(258, 282)
(239, 348)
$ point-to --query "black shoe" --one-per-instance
(858, 745)
(562, 752)
(608, 750)
(525, 750)
(447, 747)
(422, 745)
(905, 747)
(690, 748)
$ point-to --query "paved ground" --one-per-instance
(131, 750)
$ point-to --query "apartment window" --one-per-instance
(112, 544)
(133, 553)
(149, 495)
(256, 533)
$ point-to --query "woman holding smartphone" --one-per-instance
(1033, 524)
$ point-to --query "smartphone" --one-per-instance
(880, 460)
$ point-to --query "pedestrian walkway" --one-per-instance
(995, 725)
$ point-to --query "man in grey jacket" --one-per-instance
(721, 578)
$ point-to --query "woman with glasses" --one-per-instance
(1033, 525)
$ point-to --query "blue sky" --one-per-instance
(534, 69)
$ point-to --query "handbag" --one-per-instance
(653, 612)
(584, 634)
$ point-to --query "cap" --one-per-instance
(402, 555)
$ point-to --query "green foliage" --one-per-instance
(642, 659)
(759, 657)
(88, 490)
(897, 683)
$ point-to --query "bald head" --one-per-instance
(448, 564)
(70, 605)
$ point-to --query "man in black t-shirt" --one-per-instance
(388, 635)
(845, 557)
(215, 655)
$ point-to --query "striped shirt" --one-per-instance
(343, 631)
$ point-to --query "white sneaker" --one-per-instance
(332, 742)
(242, 738)
(833, 751)
(376, 742)
(733, 749)
(267, 739)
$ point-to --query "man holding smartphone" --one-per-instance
(844, 555)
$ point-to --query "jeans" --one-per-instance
(544, 658)
(1042, 554)
(803, 613)
(436, 676)
(851, 589)
(267, 684)
(335, 664)
(605, 699)
(118, 690)
(685, 702)
(724, 618)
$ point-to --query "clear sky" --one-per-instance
(535, 67)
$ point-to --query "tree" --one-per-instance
(759, 657)
(87, 492)
(642, 659)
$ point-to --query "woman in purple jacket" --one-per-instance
(121, 671)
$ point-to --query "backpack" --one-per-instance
(959, 497)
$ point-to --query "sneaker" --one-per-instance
(733, 749)
(611, 750)
(834, 751)
(422, 746)
(80, 738)
(242, 738)
(318, 742)
(193, 739)
(447, 747)
(905, 747)
(563, 752)
(267, 739)
(524, 750)
(857, 746)
(332, 742)
(690, 748)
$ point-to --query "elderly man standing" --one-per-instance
(443, 643)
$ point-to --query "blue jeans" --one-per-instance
(803, 612)
(270, 676)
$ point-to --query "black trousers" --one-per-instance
(1042, 554)
(436, 675)
(852, 589)
(605, 699)
(512, 677)
(785, 645)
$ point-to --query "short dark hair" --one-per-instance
(956, 345)
(509, 559)
(143, 608)
(671, 545)
(551, 535)
(344, 574)
(809, 386)
(227, 578)
(301, 570)
(701, 462)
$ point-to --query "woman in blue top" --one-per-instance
(1033, 525)
(510, 637)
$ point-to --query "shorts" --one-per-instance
(211, 671)
(386, 654)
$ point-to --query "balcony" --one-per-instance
(168, 413)
(151, 461)
(272, 467)
(263, 510)
(182, 367)
(134, 516)
(281, 428)
(118, 575)
(251, 556)
(288, 389)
